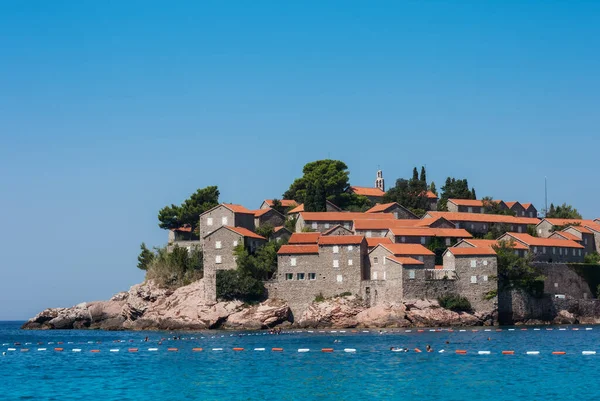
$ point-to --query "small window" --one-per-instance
(336, 249)
(560, 251)
(350, 262)
(470, 209)
(235, 243)
(209, 221)
(485, 278)
(300, 276)
(312, 276)
(374, 275)
(520, 229)
(384, 259)
(580, 252)
(326, 225)
(375, 260)
(543, 249)
(336, 263)
(573, 251)
(473, 279)
(217, 244)
(485, 226)
(293, 262)
(384, 276)
(448, 242)
(539, 230)
(585, 241)
(350, 248)
(402, 239)
(289, 276)
(555, 285)
(473, 263)
(314, 225)
(423, 240)
(218, 259)
(411, 274)
(472, 226)
(224, 220)
(535, 249)
(396, 215)
(553, 250)
(339, 278)
(516, 252)
(485, 262)
(369, 234)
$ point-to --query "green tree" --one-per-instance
(432, 187)
(496, 231)
(563, 211)
(333, 176)
(455, 189)
(492, 207)
(278, 207)
(145, 257)
(234, 284)
(265, 230)
(423, 177)
(411, 194)
(190, 210)
(515, 271)
(592, 258)
(177, 268)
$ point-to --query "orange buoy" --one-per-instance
(420, 331)
(133, 350)
(418, 350)
(508, 352)
(277, 349)
(461, 351)
(95, 350)
(559, 353)
(327, 350)
(58, 349)
(238, 349)
(196, 349)
(172, 349)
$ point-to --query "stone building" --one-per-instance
(268, 216)
(465, 206)
(432, 200)
(546, 227)
(182, 237)
(287, 204)
(280, 234)
(519, 249)
(225, 215)
(426, 235)
(548, 249)
(218, 254)
(323, 221)
(399, 211)
(338, 230)
(482, 223)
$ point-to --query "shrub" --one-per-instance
(175, 269)
(235, 284)
(455, 303)
(490, 295)
(598, 291)
(592, 258)
(320, 297)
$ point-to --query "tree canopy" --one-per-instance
(145, 257)
(411, 194)
(563, 211)
(515, 271)
(455, 189)
(188, 213)
(324, 180)
(492, 207)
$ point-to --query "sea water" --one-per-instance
(372, 372)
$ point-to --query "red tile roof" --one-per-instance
(260, 212)
(566, 235)
(407, 249)
(483, 218)
(341, 240)
(362, 224)
(489, 243)
(237, 208)
(483, 251)
(527, 205)
(466, 202)
(382, 207)
(564, 222)
(297, 209)
(304, 238)
(582, 229)
(431, 195)
(510, 204)
(276, 229)
(373, 242)
(403, 260)
(344, 216)
(332, 229)
(284, 202)
(366, 191)
(431, 232)
(536, 241)
(184, 229)
(298, 249)
(245, 232)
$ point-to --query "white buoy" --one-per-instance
(588, 352)
(511, 329)
(41, 349)
(152, 349)
(303, 349)
(11, 349)
(588, 328)
(259, 349)
(407, 331)
(76, 350)
(349, 350)
(483, 352)
(462, 330)
(114, 350)
(536, 329)
(442, 351)
(217, 349)
(533, 352)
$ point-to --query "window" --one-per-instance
(573, 251)
(580, 252)
(339, 278)
(560, 251)
(218, 259)
(374, 275)
(485, 278)
(336, 263)
(350, 262)
(384, 259)
(336, 249)
(485, 226)
(411, 274)
(423, 240)
(209, 221)
(235, 243)
(326, 225)
(314, 225)
(539, 230)
(516, 252)
(312, 276)
(473, 263)
(520, 229)
(403, 239)
(472, 226)
(289, 276)
(448, 242)
(218, 245)
(375, 260)
(293, 262)
(535, 249)
(543, 249)
(224, 220)
(553, 251)
(384, 275)
(396, 215)
(485, 262)
(300, 276)
(470, 209)
(473, 279)
(555, 285)
(369, 234)
(350, 248)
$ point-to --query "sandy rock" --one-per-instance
(565, 317)
(383, 316)
(336, 313)
(434, 317)
(270, 313)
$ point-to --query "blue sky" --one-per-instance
(111, 110)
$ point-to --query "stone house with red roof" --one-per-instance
(548, 249)
(225, 215)
(397, 210)
(465, 206)
(268, 216)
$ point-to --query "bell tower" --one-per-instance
(379, 181)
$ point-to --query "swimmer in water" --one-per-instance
(428, 348)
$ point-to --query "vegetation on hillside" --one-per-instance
(517, 272)
(563, 211)
(173, 269)
(492, 207)
(412, 193)
(455, 302)
(455, 189)
(188, 213)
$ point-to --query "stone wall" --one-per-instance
(189, 245)
(215, 219)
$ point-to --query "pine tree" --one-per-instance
(473, 195)
(432, 187)
(145, 257)
(415, 174)
(423, 175)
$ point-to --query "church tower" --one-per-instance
(379, 182)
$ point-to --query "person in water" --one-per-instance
(428, 348)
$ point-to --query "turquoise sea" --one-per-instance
(372, 372)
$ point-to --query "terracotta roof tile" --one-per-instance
(245, 232)
(431, 232)
(373, 242)
(489, 243)
(297, 209)
(483, 218)
(341, 240)
(304, 238)
(344, 216)
(431, 195)
(366, 191)
(403, 260)
(276, 229)
(382, 207)
(581, 229)
(564, 222)
(536, 241)
(466, 202)
(260, 212)
(407, 249)
(298, 249)
(184, 229)
(565, 235)
(284, 202)
(483, 251)
(385, 224)
(237, 208)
